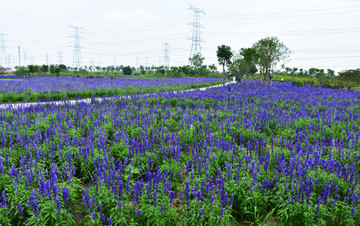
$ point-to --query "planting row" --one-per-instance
(52, 88)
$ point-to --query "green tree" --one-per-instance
(350, 75)
(127, 70)
(185, 69)
(2, 70)
(212, 68)
(197, 60)
(142, 70)
(55, 69)
(160, 70)
(44, 68)
(313, 71)
(330, 72)
(250, 58)
(237, 68)
(224, 55)
(270, 51)
(21, 70)
(196, 63)
(33, 68)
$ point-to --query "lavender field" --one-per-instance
(54, 89)
(282, 155)
(49, 84)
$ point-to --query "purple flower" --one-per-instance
(187, 189)
(20, 209)
(33, 202)
(58, 205)
(222, 212)
(66, 197)
(181, 195)
(231, 200)
(1, 165)
(352, 211)
(138, 212)
(119, 205)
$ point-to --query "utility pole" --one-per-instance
(196, 32)
(166, 55)
(59, 57)
(25, 59)
(2, 51)
(137, 63)
(47, 59)
(19, 56)
(8, 61)
(77, 60)
(147, 61)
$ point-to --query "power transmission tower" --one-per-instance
(25, 59)
(8, 61)
(3, 52)
(166, 55)
(77, 60)
(59, 57)
(19, 56)
(47, 58)
(196, 32)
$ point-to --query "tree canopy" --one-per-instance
(250, 58)
(270, 51)
(224, 55)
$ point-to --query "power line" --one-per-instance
(324, 58)
(295, 13)
(169, 23)
(196, 32)
(292, 32)
(138, 41)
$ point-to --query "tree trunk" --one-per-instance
(247, 79)
(224, 74)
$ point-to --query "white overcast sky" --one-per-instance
(320, 33)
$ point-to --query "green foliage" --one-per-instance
(224, 54)
(270, 51)
(127, 70)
